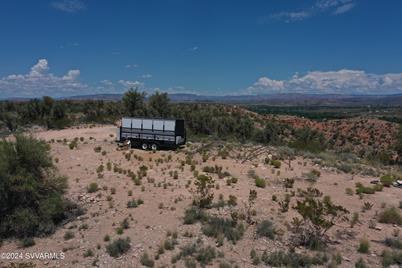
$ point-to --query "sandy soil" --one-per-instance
(165, 200)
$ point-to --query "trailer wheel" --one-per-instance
(144, 146)
(154, 147)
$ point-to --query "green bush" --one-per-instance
(360, 263)
(146, 260)
(391, 257)
(92, 187)
(260, 182)
(291, 259)
(276, 163)
(364, 246)
(215, 227)
(204, 185)
(266, 229)
(69, 235)
(134, 203)
(306, 139)
(31, 192)
(390, 215)
(361, 189)
(318, 215)
(206, 255)
(118, 247)
(194, 214)
(387, 180)
(27, 242)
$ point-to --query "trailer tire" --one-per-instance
(154, 147)
(144, 146)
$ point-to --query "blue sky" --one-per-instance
(75, 47)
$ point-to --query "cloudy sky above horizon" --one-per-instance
(78, 47)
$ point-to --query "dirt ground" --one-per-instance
(166, 198)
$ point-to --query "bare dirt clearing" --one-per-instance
(94, 158)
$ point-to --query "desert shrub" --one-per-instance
(393, 242)
(364, 246)
(31, 192)
(88, 253)
(387, 180)
(73, 144)
(319, 214)
(98, 149)
(378, 187)
(391, 257)
(345, 167)
(69, 235)
(118, 247)
(92, 187)
(185, 251)
(260, 182)
(204, 185)
(360, 263)
(170, 243)
(250, 211)
(367, 206)
(134, 203)
(266, 229)
(204, 255)
(276, 163)
(255, 259)
(361, 189)
(232, 200)
(390, 215)
(354, 219)
(284, 204)
(194, 214)
(291, 259)
(146, 260)
(214, 227)
(313, 175)
(27, 242)
(349, 191)
(307, 139)
(288, 182)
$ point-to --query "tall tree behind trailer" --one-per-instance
(134, 102)
(159, 104)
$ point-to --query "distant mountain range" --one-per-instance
(290, 99)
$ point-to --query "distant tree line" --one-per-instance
(224, 122)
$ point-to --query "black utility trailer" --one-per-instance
(152, 133)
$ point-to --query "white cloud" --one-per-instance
(332, 82)
(335, 7)
(265, 82)
(131, 66)
(39, 69)
(344, 8)
(131, 84)
(146, 76)
(291, 16)
(40, 82)
(70, 6)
